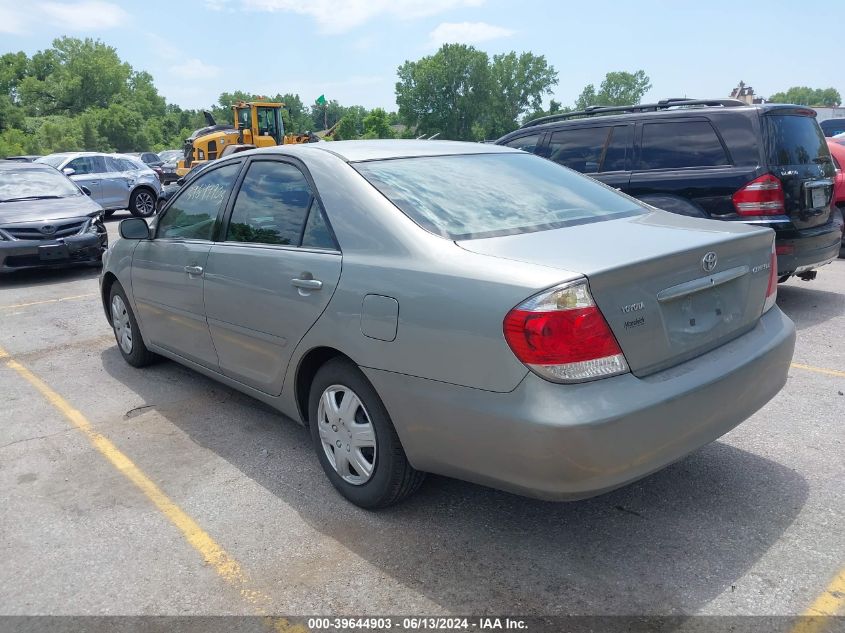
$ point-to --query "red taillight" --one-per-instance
(761, 196)
(562, 336)
(772, 288)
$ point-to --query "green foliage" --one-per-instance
(802, 95)
(346, 129)
(618, 88)
(377, 124)
(463, 94)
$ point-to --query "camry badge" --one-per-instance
(48, 229)
(708, 262)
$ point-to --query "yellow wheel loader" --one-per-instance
(255, 123)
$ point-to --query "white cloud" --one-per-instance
(19, 18)
(466, 33)
(333, 16)
(89, 15)
(194, 69)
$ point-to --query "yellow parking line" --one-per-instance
(828, 604)
(214, 555)
(37, 303)
(820, 370)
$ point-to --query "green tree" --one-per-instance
(377, 124)
(802, 95)
(518, 83)
(346, 129)
(448, 92)
(618, 88)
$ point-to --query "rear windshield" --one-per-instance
(472, 196)
(795, 140)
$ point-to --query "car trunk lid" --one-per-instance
(670, 287)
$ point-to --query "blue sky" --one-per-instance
(350, 49)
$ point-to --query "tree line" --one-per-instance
(79, 95)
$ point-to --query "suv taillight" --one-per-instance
(772, 289)
(761, 196)
(561, 335)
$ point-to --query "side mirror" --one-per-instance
(86, 191)
(134, 229)
(68, 171)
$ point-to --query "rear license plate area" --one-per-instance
(818, 197)
(53, 252)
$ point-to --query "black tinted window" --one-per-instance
(193, 214)
(794, 140)
(615, 156)
(483, 195)
(525, 143)
(579, 148)
(674, 145)
(271, 206)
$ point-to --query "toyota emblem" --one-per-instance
(48, 229)
(708, 262)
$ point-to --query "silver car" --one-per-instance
(116, 181)
(462, 309)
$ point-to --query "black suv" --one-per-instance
(720, 159)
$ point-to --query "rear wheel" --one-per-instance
(355, 441)
(126, 332)
(142, 203)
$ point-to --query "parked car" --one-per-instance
(499, 318)
(170, 158)
(837, 152)
(46, 219)
(151, 160)
(116, 181)
(832, 127)
(721, 159)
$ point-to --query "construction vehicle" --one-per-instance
(255, 123)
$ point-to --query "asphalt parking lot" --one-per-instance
(159, 491)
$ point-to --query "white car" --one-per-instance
(116, 181)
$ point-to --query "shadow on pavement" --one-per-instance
(667, 544)
(46, 276)
(806, 305)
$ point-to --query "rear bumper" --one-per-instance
(21, 254)
(574, 441)
(811, 248)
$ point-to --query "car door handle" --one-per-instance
(193, 270)
(307, 284)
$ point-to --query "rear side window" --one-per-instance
(193, 214)
(794, 140)
(679, 144)
(525, 143)
(272, 205)
(579, 148)
(473, 196)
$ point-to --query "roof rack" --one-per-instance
(663, 104)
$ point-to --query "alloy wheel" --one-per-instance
(144, 203)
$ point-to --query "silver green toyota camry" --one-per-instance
(461, 309)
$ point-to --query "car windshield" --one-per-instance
(170, 155)
(35, 183)
(472, 196)
(54, 160)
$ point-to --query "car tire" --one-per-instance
(391, 478)
(130, 343)
(142, 203)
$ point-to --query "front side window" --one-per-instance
(579, 148)
(267, 124)
(193, 214)
(679, 144)
(243, 118)
(84, 165)
(472, 196)
(272, 205)
(525, 143)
